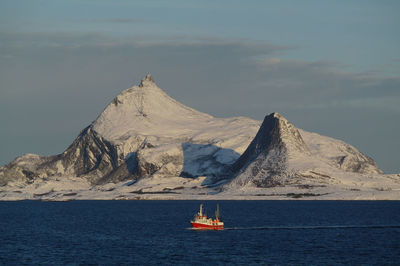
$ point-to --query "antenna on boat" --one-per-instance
(217, 212)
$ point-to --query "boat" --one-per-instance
(201, 221)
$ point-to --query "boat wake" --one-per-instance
(316, 227)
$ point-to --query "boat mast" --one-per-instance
(201, 210)
(217, 212)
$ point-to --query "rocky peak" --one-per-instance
(288, 133)
(147, 80)
(276, 133)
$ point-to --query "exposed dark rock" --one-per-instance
(276, 134)
(267, 154)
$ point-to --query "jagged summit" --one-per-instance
(281, 154)
(276, 135)
(276, 144)
(148, 79)
(276, 115)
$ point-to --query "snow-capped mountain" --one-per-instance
(281, 154)
(143, 132)
(147, 145)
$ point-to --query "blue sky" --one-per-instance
(332, 67)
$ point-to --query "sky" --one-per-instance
(330, 67)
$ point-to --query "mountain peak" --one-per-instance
(277, 143)
(276, 115)
(147, 80)
(276, 134)
(143, 108)
(276, 130)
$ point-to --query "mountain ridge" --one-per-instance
(145, 144)
(140, 118)
(278, 155)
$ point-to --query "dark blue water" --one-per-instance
(157, 232)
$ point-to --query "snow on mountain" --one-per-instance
(282, 156)
(277, 144)
(147, 112)
(141, 133)
(146, 145)
(339, 154)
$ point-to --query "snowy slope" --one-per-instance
(168, 138)
(339, 154)
(285, 158)
(147, 111)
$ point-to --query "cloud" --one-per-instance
(377, 103)
(296, 84)
(25, 40)
(116, 20)
(272, 61)
(6, 56)
(251, 73)
(249, 69)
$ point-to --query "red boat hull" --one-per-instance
(206, 226)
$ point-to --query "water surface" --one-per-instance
(154, 232)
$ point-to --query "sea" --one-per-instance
(159, 233)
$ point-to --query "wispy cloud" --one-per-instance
(375, 103)
(253, 70)
(243, 48)
(272, 61)
(299, 84)
(116, 20)
(26, 40)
